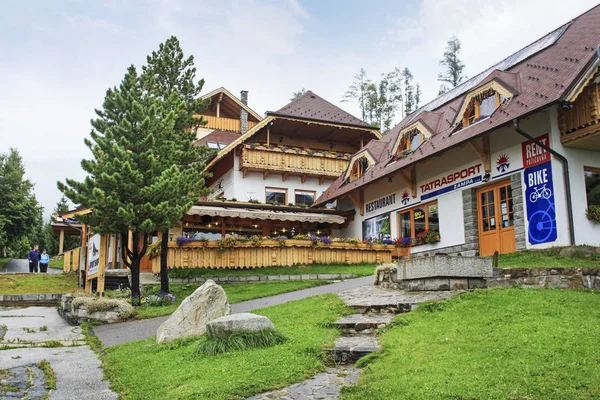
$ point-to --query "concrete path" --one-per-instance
(77, 368)
(114, 334)
(16, 266)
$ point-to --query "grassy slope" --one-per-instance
(143, 370)
(56, 263)
(494, 344)
(37, 283)
(360, 270)
(3, 261)
(548, 258)
(236, 292)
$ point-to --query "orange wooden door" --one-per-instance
(495, 219)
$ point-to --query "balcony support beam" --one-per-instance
(410, 179)
(303, 178)
(483, 151)
(358, 198)
(284, 176)
(265, 174)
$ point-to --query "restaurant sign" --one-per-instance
(380, 203)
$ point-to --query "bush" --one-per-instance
(154, 300)
(593, 213)
(240, 341)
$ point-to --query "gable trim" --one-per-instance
(234, 98)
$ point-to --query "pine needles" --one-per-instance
(240, 341)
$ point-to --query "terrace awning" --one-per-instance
(266, 215)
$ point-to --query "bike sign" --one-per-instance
(541, 212)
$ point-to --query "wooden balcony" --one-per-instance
(291, 162)
(225, 124)
(270, 254)
(580, 125)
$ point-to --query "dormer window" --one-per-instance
(358, 168)
(410, 139)
(481, 103)
(359, 164)
(482, 106)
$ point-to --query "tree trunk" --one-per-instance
(164, 272)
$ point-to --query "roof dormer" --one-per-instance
(482, 102)
(359, 165)
(410, 139)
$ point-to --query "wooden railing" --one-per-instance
(71, 260)
(225, 124)
(270, 254)
(261, 159)
(583, 119)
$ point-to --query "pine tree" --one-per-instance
(417, 96)
(169, 78)
(359, 90)
(409, 92)
(122, 187)
(19, 209)
(453, 75)
(297, 94)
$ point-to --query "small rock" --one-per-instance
(238, 323)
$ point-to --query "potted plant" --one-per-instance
(593, 213)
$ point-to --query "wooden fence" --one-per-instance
(226, 124)
(271, 254)
(71, 260)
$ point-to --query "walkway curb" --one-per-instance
(30, 299)
(264, 278)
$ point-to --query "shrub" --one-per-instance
(240, 341)
(593, 213)
(157, 301)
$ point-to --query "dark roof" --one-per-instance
(541, 74)
(312, 107)
(219, 137)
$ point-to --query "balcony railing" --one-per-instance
(225, 124)
(293, 162)
(582, 121)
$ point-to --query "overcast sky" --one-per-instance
(59, 57)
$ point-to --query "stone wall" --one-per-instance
(560, 278)
(14, 300)
(518, 210)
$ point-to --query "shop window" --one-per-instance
(304, 197)
(419, 219)
(276, 196)
(592, 186)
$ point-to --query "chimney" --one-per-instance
(243, 112)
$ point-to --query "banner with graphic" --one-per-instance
(377, 228)
(539, 193)
(93, 254)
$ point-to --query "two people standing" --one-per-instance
(35, 259)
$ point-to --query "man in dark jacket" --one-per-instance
(34, 259)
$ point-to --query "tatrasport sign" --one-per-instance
(453, 181)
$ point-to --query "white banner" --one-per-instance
(93, 254)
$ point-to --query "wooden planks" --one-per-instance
(270, 253)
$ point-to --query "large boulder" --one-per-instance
(207, 303)
(238, 323)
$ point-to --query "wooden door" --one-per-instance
(495, 219)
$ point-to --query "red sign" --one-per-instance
(534, 154)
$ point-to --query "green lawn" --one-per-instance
(582, 256)
(356, 269)
(56, 263)
(37, 283)
(490, 344)
(143, 370)
(236, 292)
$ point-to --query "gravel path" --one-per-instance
(15, 266)
(114, 334)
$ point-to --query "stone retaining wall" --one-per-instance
(29, 299)
(230, 279)
(561, 278)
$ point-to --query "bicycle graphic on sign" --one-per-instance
(540, 192)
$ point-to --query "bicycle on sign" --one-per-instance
(540, 192)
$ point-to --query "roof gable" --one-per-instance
(313, 107)
(233, 98)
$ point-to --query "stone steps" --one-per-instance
(382, 307)
(359, 323)
(348, 349)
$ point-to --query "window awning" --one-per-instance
(266, 215)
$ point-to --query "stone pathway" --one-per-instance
(325, 386)
(77, 368)
(24, 382)
(376, 309)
